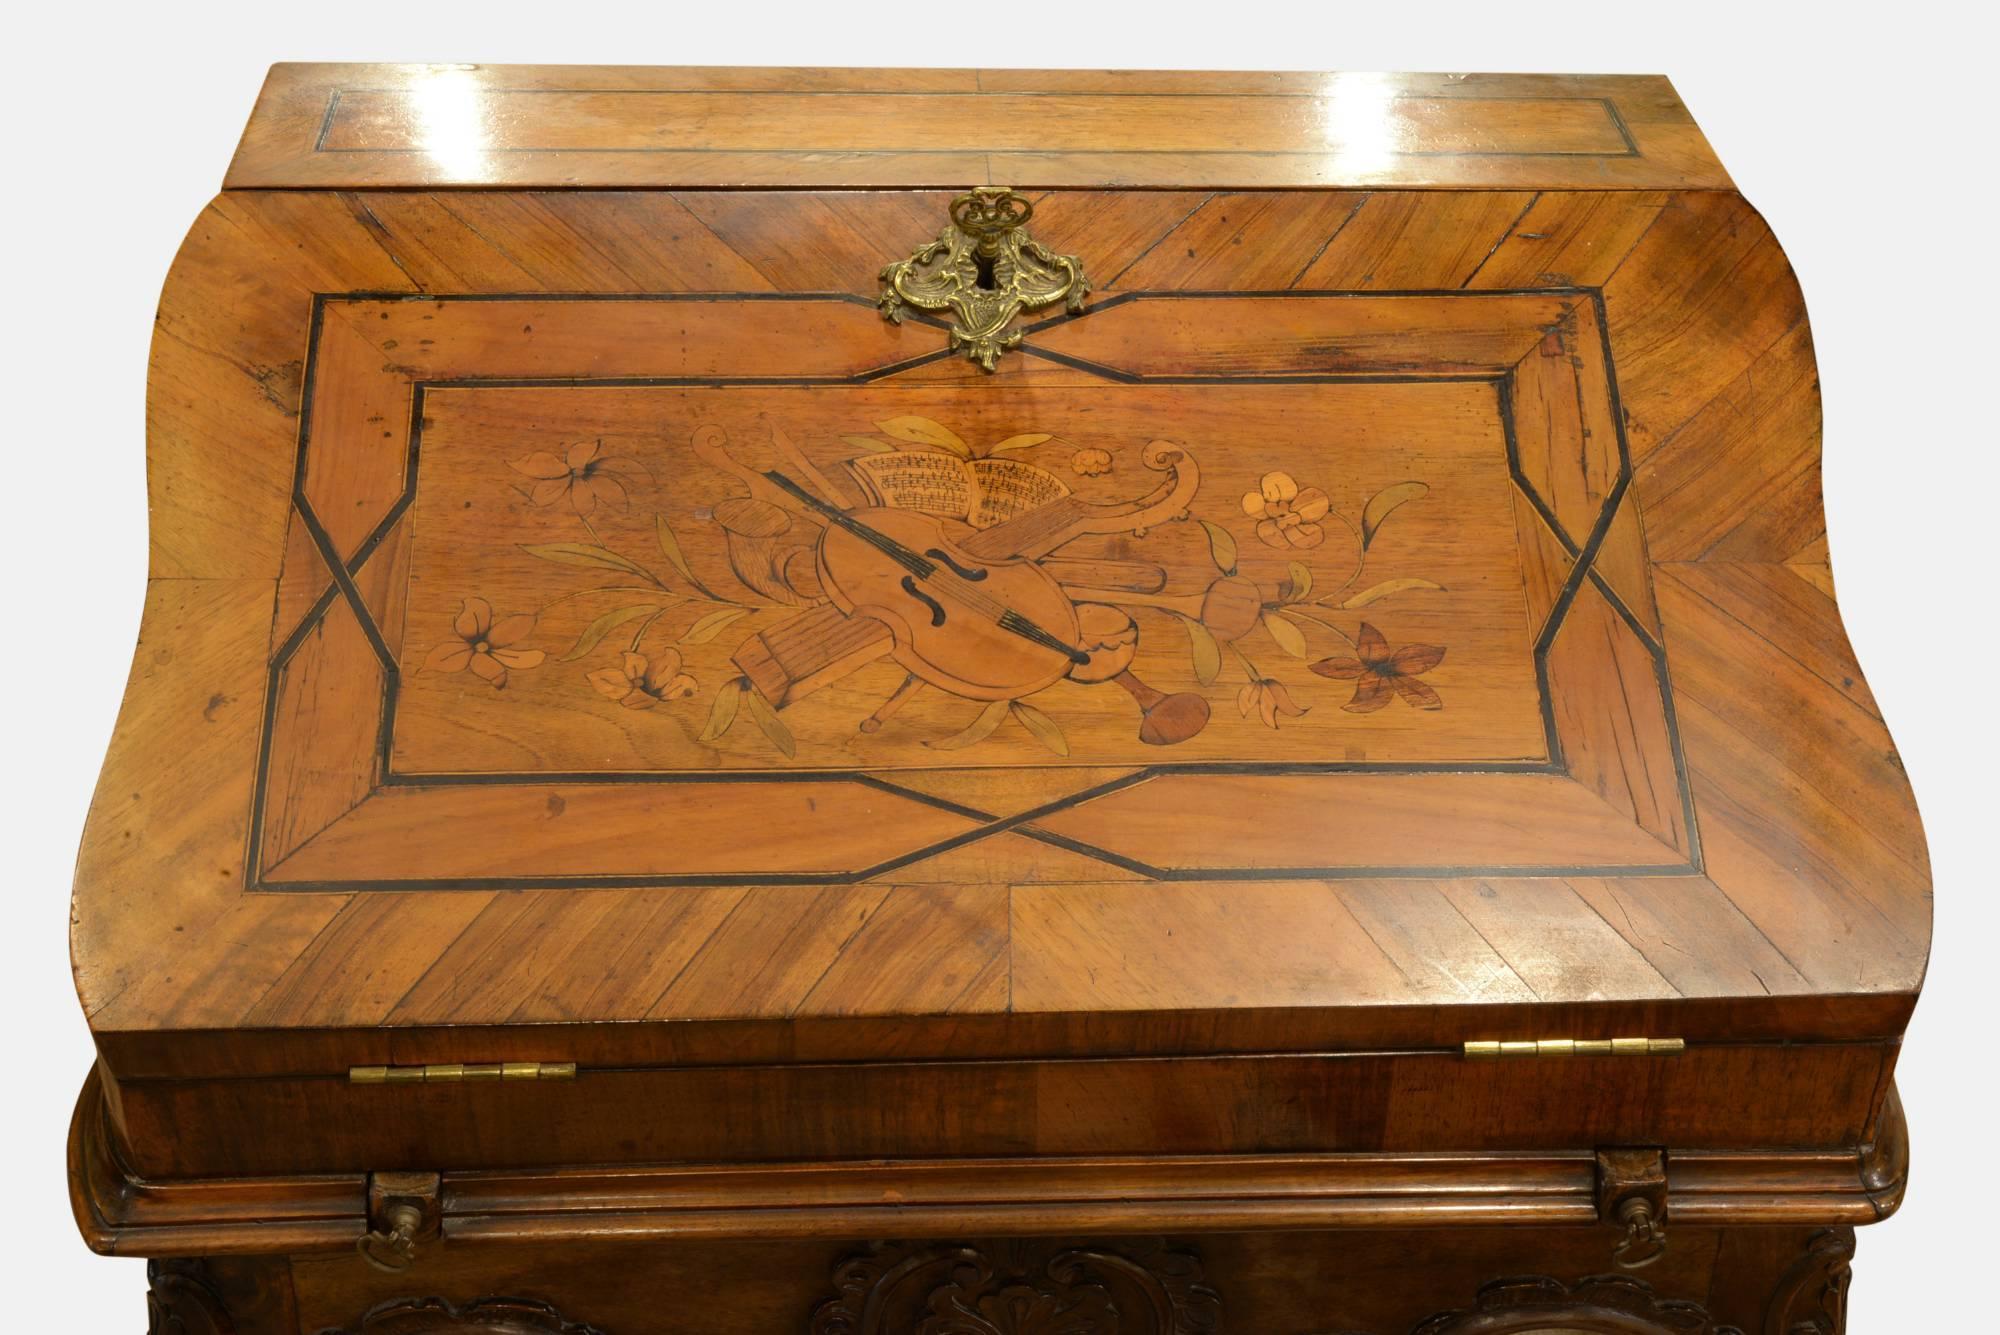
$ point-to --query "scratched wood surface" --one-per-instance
(470, 718)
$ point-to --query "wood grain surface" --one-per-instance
(558, 127)
(1619, 456)
(1091, 1194)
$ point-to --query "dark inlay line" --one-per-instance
(1688, 813)
(856, 299)
(980, 92)
(1551, 735)
(883, 778)
(332, 109)
(990, 151)
(1333, 236)
(1262, 378)
(1347, 293)
(1154, 244)
(348, 590)
(1094, 307)
(1427, 873)
(260, 783)
(1618, 122)
(1494, 249)
(643, 881)
(873, 780)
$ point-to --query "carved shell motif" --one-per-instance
(1019, 1287)
(1019, 1309)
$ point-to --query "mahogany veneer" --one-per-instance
(1083, 821)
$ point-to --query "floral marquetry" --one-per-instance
(484, 647)
(1285, 515)
(1381, 674)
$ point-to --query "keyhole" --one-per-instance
(985, 266)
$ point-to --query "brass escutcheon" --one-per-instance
(985, 269)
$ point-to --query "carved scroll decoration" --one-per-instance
(1812, 1297)
(1601, 1305)
(180, 1300)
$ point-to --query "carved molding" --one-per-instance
(488, 1316)
(1601, 1305)
(1884, 1163)
(1812, 1297)
(181, 1300)
(1020, 1287)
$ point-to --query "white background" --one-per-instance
(1867, 138)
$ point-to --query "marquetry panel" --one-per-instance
(582, 582)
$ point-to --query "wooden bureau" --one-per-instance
(946, 702)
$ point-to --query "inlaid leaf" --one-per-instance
(706, 629)
(594, 633)
(923, 431)
(1301, 582)
(869, 443)
(1023, 441)
(581, 554)
(767, 719)
(670, 546)
(722, 713)
(1045, 729)
(1385, 588)
(976, 731)
(1204, 649)
(1221, 547)
(1385, 501)
(1289, 637)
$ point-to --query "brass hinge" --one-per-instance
(1574, 1047)
(452, 1073)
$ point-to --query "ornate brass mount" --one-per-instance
(986, 270)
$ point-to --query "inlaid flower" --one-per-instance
(641, 683)
(1269, 699)
(485, 647)
(1380, 674)
(583, 474)
(1090, 463)
(1286, 515)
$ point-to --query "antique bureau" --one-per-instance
(949, 702)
